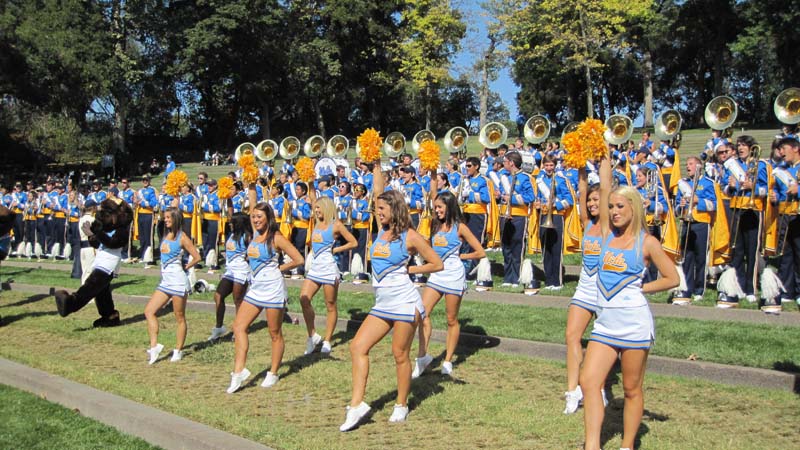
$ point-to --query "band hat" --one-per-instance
(146, 177)
(96, 181)
(211, 182)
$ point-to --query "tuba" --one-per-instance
(721, 112)
(314, 146)
(668, 124)
(787, 106)
(620, 129)
(455, 141)
(537, 129)
(395, 144)
(572, 126)
(337, 146)
(493, 134)
(289, 148)
(243, 149)
(420, 137)
(266, 150)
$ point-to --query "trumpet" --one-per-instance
(548, 219)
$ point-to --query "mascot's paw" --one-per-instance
(108, 321)
(62, 303)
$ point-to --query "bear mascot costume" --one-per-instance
(109, 234)
(6, 224)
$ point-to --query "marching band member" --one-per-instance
(624, 329)
(301, 216)
(477, 198)
(29, 219)
(362, 221)
(714, 143)
(202, 187)
(787, 131)
(646, 143)
(146, 203)
(747, 221)
(19, 205)
(789, 243)
(324, 272)
(584, 302)
(98, 194)
(344, 206)
(654, 200)
(398, 306)
(325, 189)
(442, 183)
(514, 223)
(75, 201)
(277, 202)
(164, 201)
(552, 188)
(239, 200)
(186, 203)
(425, 179)
(412, 192)
(267, 291)
(174, 283)
(664, 157)
(126, 193)
(453, 174)
(448, 233)
(696, 232)
(44, 220)
(211, 208)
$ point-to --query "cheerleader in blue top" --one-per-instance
(324, 272)
(237, 271)
(450, 234)
(398, 306)
(584, 302)
(174, 283)
(267, 291)
(624, 327)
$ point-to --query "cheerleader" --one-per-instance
(584, 302)
(174, 283)
(323, 271)
(267, 290)
(237, 272)
(398, 306)
(451, 233)
(624, 327)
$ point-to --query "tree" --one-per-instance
(432, 32)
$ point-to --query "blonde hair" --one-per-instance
(328, 208)
(638, 223)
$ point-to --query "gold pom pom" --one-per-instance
(305, 169)
(429, 155)
(175, 181)
(225, 188)
(369, 143)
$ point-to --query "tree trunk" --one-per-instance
(428, 91)
(647, 74)
(120, 126)
(483, 94)
(318, 113)
(589, 105)
(265, 123)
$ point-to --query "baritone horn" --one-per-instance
(537, 129)
(456, 140)
(395, 144)
(313, 146)
(721, 112)
(493, 134)
(668, 124)
(266, 150)
(245, 148)
(337, 146)
(420, 137)
(619, 129)
(289, 148)
(787, 106)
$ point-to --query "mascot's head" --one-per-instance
(114, 213)
(6, 223)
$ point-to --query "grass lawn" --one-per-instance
(30, 422)
(754, 345)
(494, 401)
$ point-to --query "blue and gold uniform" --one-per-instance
(586, 293)
(187, 204)
(553, 238)
(174, 280)
(396, 297)
(267, 288)
(789, 232)
(323, 268)
(477, 199)
(301, 216)
(695, 232)
(452, 279)
(412, 192)
(211, 208)
(514, 229)
(148, 202)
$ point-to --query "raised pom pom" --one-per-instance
(429, 155)
(225, 188)
(175, 180)
(305, 169)
(369, 143)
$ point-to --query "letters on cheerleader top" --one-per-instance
(614, 262)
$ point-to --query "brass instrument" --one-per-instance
(686, 214)
(619, 129)
(721, 112)
(455, 141)
(287, 212)
(537, 129)
(652, 189)
(510, 195)
(266, 150)
(420, 137)
(548, 219)
(349, 219)
(752, 175)
(245, 148)
(460, 190)
(569, 128)
(668, 124)
(493, 134)
(289, 148)
(787, 106)
(314, 146)
(395, 144)
(337, 146)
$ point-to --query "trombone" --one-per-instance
(752, 175)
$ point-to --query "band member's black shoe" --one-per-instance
(62, 303)
(109, 321)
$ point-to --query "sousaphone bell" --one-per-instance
(266, 150)
(493, 134)
(394, 145)
(537, 129)
(721, 112)
(337, 146)
(245, 148)
(619, 129)
(289, 148)
(420, 137)
(314, 146)
(787, 106)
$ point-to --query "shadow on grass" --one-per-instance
(31, 299)
(120, 284)
(7, 320)
(791, 368)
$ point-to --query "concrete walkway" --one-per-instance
(717, 373)
(153, 425)
(789, 318)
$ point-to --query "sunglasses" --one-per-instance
(470, 165)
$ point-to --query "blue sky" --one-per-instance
(471, 46)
